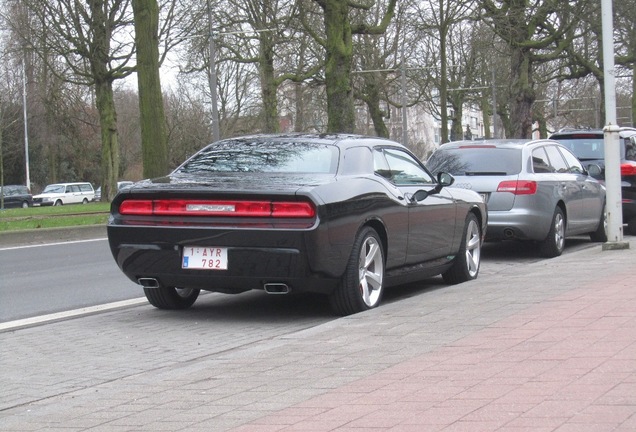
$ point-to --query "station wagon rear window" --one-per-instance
(476, 161)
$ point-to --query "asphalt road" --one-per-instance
(44, 278)
(48, 278)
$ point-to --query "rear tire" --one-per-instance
(600, 235)
(171, 298)
(468, 259)
(361, 286)
(554, 243)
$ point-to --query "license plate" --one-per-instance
(204, 258)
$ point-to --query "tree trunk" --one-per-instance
(110, 144)
(523, 94)
(634, 95)
(340, 105)
(153, 124)
(268, 86)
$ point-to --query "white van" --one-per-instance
(65, 193)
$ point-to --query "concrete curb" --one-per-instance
(51, 235)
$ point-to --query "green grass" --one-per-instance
(54, 217)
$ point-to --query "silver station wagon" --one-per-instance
(535, 190)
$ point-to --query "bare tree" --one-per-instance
(535, 31)
(337, 40)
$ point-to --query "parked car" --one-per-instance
(16, 196)
(65, 193)
(340, 215)
(535, 190)
(120, 185)
(589, 147)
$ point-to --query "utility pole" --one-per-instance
(611, 136)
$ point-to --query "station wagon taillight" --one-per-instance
(177, 207)
(518, 187)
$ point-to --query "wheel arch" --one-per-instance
(379, 227)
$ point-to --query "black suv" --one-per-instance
(589, 147)
(16, 196)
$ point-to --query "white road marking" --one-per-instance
(53, 244)
(27, 322)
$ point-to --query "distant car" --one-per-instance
(589, 147)
(535, 190)
(120, 185)
(65, 193)
(16, 196)
(340, 215)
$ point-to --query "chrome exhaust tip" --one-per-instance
(277, 288)
(148, 282)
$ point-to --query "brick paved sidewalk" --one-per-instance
(567, 364)
(546, 346)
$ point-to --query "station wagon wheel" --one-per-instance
(84, 201)
(361, 286)
(554, 243)
(171, 298)
(25, 204)
(58, 203)
(468, 259)
(600, 235)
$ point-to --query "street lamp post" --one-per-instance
(611, 136)
(26, 127)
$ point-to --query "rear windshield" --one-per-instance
(587, 147)
(263, 156)
(476, 161)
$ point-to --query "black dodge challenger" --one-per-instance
(341, 215)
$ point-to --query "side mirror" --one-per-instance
(594, 170)
(443, 180)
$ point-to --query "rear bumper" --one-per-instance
(517, 224)
(299, 259)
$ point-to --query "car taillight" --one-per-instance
(628, 169)
(279, 209)
(518, 187)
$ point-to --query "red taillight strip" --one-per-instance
(628, 169)
(518, 187)
(281, 209)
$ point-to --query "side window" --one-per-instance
(630, 148)
(556, 160)
(380, 165)
(540, 163)
(405, 169)
(574, 164)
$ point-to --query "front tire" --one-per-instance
(171, 298)
(58, 203)
(554, 243)
(361, 287)
(468, 259)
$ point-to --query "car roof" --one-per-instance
(624, 131)
(501, 143)
(67, 184)
(337, 139)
